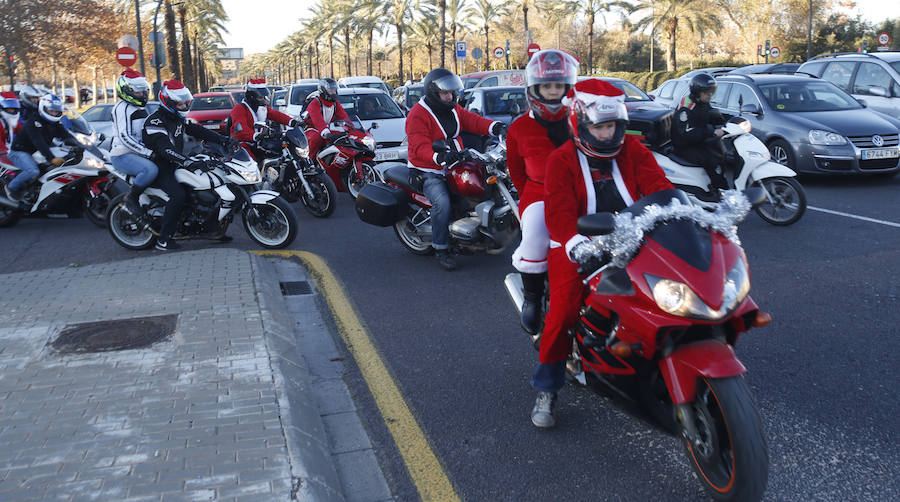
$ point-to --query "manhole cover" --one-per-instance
(120, 334)
(295, 288)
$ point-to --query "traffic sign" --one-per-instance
(460, 50)
(883, 38)
(775, 52)
(126, 56)
(476, 53)
(532, 48)
(499, 52)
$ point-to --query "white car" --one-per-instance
(364, 81)
(374, 106)
(292, 102)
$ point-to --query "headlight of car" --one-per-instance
(95, 163)
(369, 141)
(301, 151)
(818, 137)
(677, 299)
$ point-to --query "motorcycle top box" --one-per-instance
(653, 124)
(381, 204)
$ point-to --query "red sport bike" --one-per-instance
(348, 156)
(658, 326)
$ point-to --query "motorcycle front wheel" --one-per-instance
(732, 458)
(273, 225)
(411, 239)
(354, 182)
(785, 201)
(322, 203)
(8, 216)
(96, 207)
(128, 231)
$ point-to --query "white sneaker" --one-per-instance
(542, 413)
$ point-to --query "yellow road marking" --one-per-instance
(429, 477)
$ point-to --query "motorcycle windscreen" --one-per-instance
(296, 137)
(241, 155)
(683, 238)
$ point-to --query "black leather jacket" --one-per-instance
(695, 123)
(164, 133)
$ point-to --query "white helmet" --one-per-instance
(50, 107)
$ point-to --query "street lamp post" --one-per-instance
(140, 36)
(158, 85)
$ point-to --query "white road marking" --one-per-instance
(854, 216)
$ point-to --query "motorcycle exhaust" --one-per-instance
(513, 283)
(8, 203)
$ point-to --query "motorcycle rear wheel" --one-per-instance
(272, 225)
(354, 184)
(128, 231)
(410, 239)
(732, 461)
(95, 208)
(324, 195)
(787, 203)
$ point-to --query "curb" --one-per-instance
(313, 472)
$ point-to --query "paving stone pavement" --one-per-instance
(224, 409)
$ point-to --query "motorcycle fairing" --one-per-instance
(708, 358)
(262, 196)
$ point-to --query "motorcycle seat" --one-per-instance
(680, 160)
(404, 177)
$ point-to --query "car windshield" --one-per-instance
(368, 85)
(238, 96)
(632, 93)
(470, 82)
(300, 92)
(370, 106)
(98, 113)
(896, 66)
(807, 97)
(211, 103)
(505, 102)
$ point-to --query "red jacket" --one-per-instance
(569, 191)
(5, 137)
(423, 128)
(527, 149)
(242, 120)
(317, 117)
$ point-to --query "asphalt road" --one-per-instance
(824, 373)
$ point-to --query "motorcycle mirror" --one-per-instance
(374, 126)
(440, 145)
(755, 195)
(596, 224)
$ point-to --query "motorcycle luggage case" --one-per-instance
(652, 125)
(381, 204)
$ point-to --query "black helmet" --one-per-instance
(702, 82)
(437, 81)
(256, 94)
(328, 89)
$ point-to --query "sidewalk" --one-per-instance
(221, 409)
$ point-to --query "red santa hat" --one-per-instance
(173, 84)
(257, 83)
(598, 99)
(129, 73)
(8, 95)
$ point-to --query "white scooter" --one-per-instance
(786, 200)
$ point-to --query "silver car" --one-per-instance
(100, 118)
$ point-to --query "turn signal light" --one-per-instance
(762, 319)
(492, 180)
(621, 349)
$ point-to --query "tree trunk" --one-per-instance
(443, 6)
(525, 17)
(172, 42)
(187, 70)
(75, 89)
(369, 54)
(487, 50)
(94, 95)
(347, 48)
(400, 48)
(331, 55)
(430, 48)
(455, 61)
(670, 56)
(591, 44)
(411, 73)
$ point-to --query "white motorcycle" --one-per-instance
(81, 184)
(785, 199)
(217, 192)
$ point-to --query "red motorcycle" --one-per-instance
(659, 326)
(348, 156)
(484, 213)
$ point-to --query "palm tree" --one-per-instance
(442, 7)
(485, 13)
(591, 9)
(668, 14)
(557, 16)
(187, 69)
(400, 13)
(172, 42)
(457, 9)
(427, 30)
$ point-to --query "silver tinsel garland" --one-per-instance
(625, 241)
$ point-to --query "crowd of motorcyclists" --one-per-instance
(568, 156)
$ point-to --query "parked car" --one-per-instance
(407, 95)
(495, 78)
(279, 96)
(495, 103)
(296, 96)
(100, 118)
(873, 77)
(767, 68)
(714, 71)
(670, 92)
(810, 125)
(365, 81)
(237, 95)
(211, 110)
(374, 106)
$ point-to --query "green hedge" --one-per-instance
(649, 81)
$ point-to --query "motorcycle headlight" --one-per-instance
(678, 299)
(369, 141)
(84, 139)
(251, 175)
(300, 152)
(817, 137)
(94, 162)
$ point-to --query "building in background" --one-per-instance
(231, 58)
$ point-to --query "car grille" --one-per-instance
(866, 141)
(878, 163)
(388, 144)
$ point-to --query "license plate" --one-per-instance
(211, 126)
(390, 155)
(881, 153)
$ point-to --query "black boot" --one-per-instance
(532, 307)
(132, 200)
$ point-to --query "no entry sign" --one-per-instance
(532, 48)
(126, 56)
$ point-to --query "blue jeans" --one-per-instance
(549, 377)
(143, 169)
(438, 193)
(28, 169)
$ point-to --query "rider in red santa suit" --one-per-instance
(9, 120)
(255, 108)
(531, 138)
(599, 170)
(321, 112)
(438, 115)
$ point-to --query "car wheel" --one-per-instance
(783, 153)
